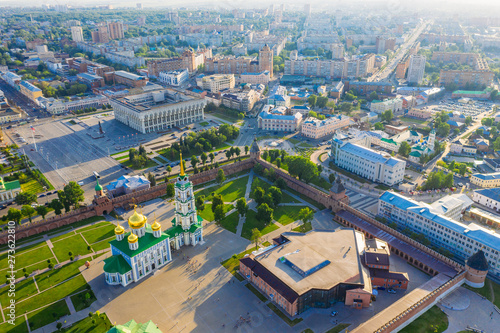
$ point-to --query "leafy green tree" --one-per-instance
(404, 149)
(312, 100)
(379, 126)
(265, 213)
(203, 158)
(212, 157)
(168, 169)
(387, 115)
(276, 195)
(14, 214)
(216, 202)
(468, 120)
(443, 130)
(25, 198)
(301, 167)
(256, 236)
(321, 101)
(221, 177)
(194, 161)
(42, 210)
(170, 190)
(373, 96)
(152, 179)
(73, 194)
(306, 215)
(246, 150)
(331, 178)
(259, 194)
(200, 202)
(28, 211)
(280, 183)
(219, 214)
(241, 206)
(57, 206)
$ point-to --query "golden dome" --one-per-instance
(137, 221)
(132, 238)
(119, 230)
(156, 226)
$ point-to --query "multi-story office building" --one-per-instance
(174, 78)
(217, 82)
(376, 166)
(467, 77)
(416, 69)
(157, 110)
(315, 128)
(470, 59)
(91, 80)
(30, 91)
(277, 119)
(243, 100)
(83, 65)
(77, 34)
(312, 40)
(337, 51)
(365, 88)
(395, 105)
(460, 239)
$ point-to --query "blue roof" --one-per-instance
(487, 176)
(369, 154)
(29, 86)
(267, 115)
(397, 200)
(89, 77)
(300, 107)
(492, 193)
(454, 123)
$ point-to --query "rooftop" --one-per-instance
(130, 76)
(29, 86)
(492, 193)
(146, 101)
(145, 242)
(487, 176)
(369, 154)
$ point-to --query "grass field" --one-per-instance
(230, 191)
(102, 325)
(306, 199)
(432, 321)
(126, 162)
(28, 256)
(257, 182)
(224, 117)
(204, 123)
(232, 264)
(56, 276)
(207, 213)
(24, 289)
(252, 222)
(80, 300)
(19, 326)
(74, 244)
(287, 214)
(486, 292)
(307, 227)
(230, 222)
(104, 244)
(48, 314)
(32, 186)
(99, 234)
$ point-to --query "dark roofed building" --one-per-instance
(337, 191)
(477, 269)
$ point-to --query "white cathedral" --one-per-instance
(146, 248)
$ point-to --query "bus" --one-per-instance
(96, 175)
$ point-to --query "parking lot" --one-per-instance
(474, 109)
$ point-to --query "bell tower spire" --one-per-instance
(182, 167)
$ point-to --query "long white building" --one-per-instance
(315, 128)
(174, 78)
(395, 105)
(157, 110)
(376, 166)
(460, 239)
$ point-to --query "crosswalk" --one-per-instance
(360, 201)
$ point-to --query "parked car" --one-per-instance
(334, 313)
(391, 291)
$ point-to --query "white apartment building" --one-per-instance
(58, 106)
(217, 82)
(174, 78)
(277, 119)
(157, 110)
(255, 78)
(77, 34)
(395, 105)
(460, 239)
(315, 128)
(416, 69)
(489, 197)
(356, 66)
(376, 166)
(12, 79)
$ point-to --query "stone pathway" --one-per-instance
(70, 305)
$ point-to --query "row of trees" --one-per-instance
(456, 167)
(438, 180)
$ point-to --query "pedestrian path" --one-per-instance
(360, 201)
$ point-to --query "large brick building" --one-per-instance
(240, 65)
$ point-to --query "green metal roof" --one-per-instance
(415, 153)
(12, 185)
(135, 327)
(391, 141)
(477, 92)
(98, 187)
(145, 242)
(116, 264)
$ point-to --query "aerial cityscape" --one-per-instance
(207, 166)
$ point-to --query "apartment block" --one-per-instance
(217, 82)
(174, 78)
(77, 34)
(463, 78)
(416, 69)
(315, 128)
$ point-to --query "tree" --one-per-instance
(443, 130)
(258, 194)
(216, 202)
(221, 177)
(306, 215)
(496, 144)
(212, 157)
(312, 100)
(200, 202)
(379, 126)
(237, 151)
(14, 214)
(331, 178)
(264, 213)
(246, 150)
(241, 206)
(219, 214)
(42, 210)
(256, 236)
(265, 154)
(387, 115)
(152, 179)
(321, 101)
(168, 169)
(404, 149)
(170, 190)
(228, 154)
(276, 195)
(57, 206)
(278, 162)
(301, 167)
(468, 120)
(373, 96)
(204, 158)
(73, 194)
(25, 198)
(194, 161)
(280, 183)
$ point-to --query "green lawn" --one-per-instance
(48, 314)
(63, 236)
(308, 227)
(80, 301)
(28, 255)
(204, 123)
(412, 120)
(256, 292)
(74, 244)
(32, 186)
(56, 276)
(233, 264)
(287, 214)
(294, 141)
(19, 326)
(322, 183)
(24, 289)
(230, 222)
(102, 325)
(126, 162)
(485, 291)
(102, 244)
(72, 286)
(252, 222)
(230, 191)
(339, 328)
(283, 316)
(207, 213)
(433, 320)
(258, 182)
(224, 117)
(100, 233)
(94, 226)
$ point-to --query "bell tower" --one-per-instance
(185, 207)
